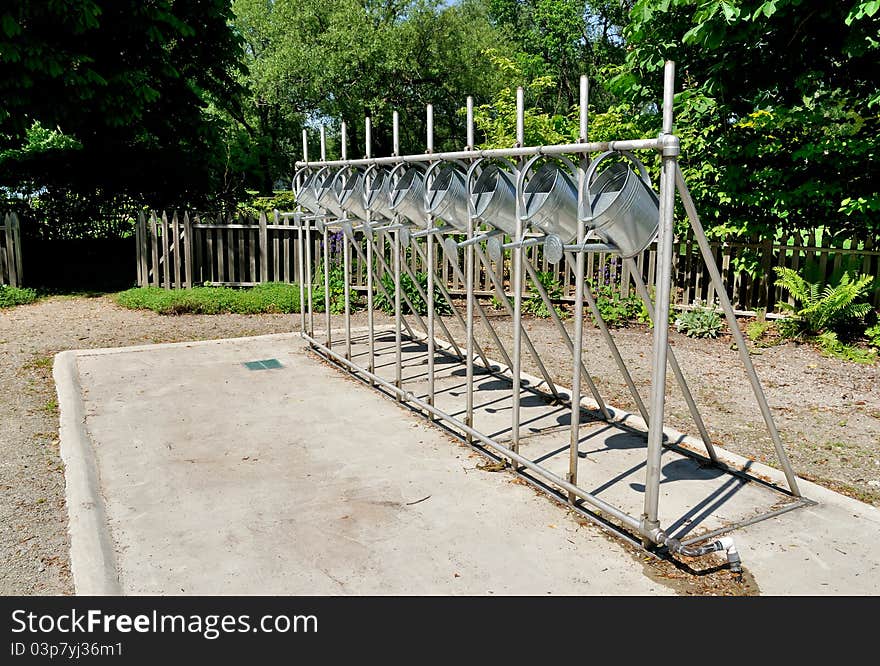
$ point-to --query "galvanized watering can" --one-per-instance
(551, 202)
(378, 192)
(447, 197)
(327, 194)
(408, 196)
(623, 209)
(304, 187)
(494, 198)
(350, 192)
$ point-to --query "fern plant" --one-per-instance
(818, 309)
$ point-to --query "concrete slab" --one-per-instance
(825, 549)
(212, 478)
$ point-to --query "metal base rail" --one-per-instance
(601, 513)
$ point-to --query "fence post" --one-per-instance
(188, 250)
(264, 248)
(140, 253)
(166, 273)
(16, 247)
(137, 250)
(154, 248)
(175, 234)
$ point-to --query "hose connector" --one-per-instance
(725, 544)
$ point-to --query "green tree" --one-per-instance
(325, 61)
(129, 84)
(777, 109)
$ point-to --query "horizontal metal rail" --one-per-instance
(523, 151)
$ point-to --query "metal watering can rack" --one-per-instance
(572, 209)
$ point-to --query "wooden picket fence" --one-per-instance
(184, 251)
(10, 251)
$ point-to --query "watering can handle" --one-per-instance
(299, 173)
(338, 174)
(591, 171)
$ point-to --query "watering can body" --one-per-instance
(350, 193)
(551, 202)
(378, 194)
(447, 197)
(305, 190)
(327, 194)
(408, 197)
(624, 210)
(494, 199)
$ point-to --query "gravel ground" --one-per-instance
(827, 410)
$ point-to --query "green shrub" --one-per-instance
(838, 308)
(616, 310)
(535, 305)
(831, 346)
(337, 290)
(757, 329)
(699, 322)
(11, 296)
(497, 304)
(873, 335)
(271, 297)
(382, 302)
(283, 200)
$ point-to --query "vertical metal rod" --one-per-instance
(516, 270)
(346, 257)
(429, 251)
(642, 290)
(297, 221)
(470, 123)
(326, 253)
(395, 135)
(346, 275)
(650, 522)
(469, 284)
(300, 246)
(578, 342)
(368, 234)
(326, 240)
(609, 340)
(308, 268)
(398, 376)
(726, 305)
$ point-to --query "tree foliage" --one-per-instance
(106, 99)
(777, 109)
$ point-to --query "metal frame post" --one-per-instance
(368, 140)
(516, 257)
(346, 258)
(429, 250)
(578, 341)
(650, 523)
(398, 354)
(469, 281)
(326, 261)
